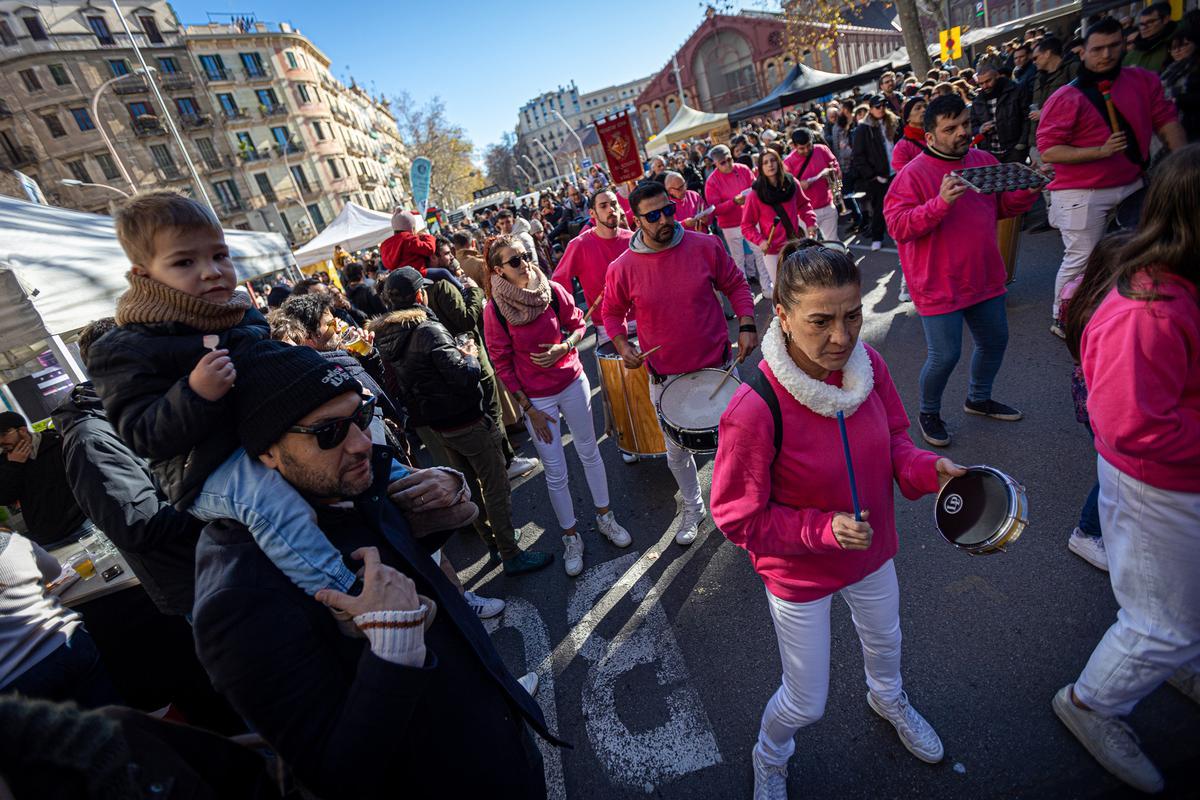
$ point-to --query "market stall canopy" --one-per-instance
(688, 122)
(61, 269)
(355, 228)
(804, 83)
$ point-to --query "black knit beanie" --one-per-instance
(278, 385)
(10, 420)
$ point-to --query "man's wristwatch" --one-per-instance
(748, 329)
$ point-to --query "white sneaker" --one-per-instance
(629, 458)
(484, 607)
(770, 782)
(573, 557)
(905, 297)
(1187, 681)
(612, 529)
(529, 682)
(914, 731)
(876, 245)
(689, 526)
(1089, 548)
(1110, 741)
(521, 466)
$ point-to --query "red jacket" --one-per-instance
(407, 249)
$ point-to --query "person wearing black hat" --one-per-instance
(32, 474)
(422, 699)
(872, 146)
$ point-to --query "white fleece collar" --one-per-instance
(858, 377)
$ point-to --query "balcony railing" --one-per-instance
(171, 172)
(289, 148)
(227, 208)
(270, 112)
(235, 115)
(131, 85)
(195, 120)
(355, 150)
(15, 157)
(176, 81)
(148, 127)
(254, 155)
(213, 75)
(262, 72)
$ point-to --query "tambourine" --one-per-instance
(981, 512)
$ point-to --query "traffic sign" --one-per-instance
(951, 42)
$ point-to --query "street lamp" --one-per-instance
(523, 172)
(546, 150)
(582, 152)
(536, 171)
(73, 182)
(100, 122)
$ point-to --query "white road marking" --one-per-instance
(876, 324)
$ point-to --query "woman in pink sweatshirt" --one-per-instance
(1141, 360)
(532, 327)
(776, 211)
(790, 509)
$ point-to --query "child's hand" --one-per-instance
(213, 376)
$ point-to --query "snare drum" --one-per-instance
(982, 511)
(627, 400)
(688, 416)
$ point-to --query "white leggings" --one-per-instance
(803, 633)
(575, 404)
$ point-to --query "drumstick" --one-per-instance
(728, 372)
(849, 466)
(592, 308)
(651, 351)
(1106, 91)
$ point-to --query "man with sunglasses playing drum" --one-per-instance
(667, 278)
(408, 702)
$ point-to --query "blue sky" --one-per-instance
(483, 58)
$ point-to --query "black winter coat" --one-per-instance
(40, 486)
(440, 386)
(870, 153)
(117, 492)
(141, 374)
(365, 299)
(1011, 118)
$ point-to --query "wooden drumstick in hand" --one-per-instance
(1106, 91)
(591, 309)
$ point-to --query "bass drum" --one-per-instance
(981, 512)
(629, 411)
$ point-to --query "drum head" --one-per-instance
(685, 400)
(973, 508)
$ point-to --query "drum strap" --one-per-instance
(759, 383)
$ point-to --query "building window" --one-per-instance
(319, 131)
(228, 104)
(83, 119)
(79, 171)
(334, 169)
(264, 186)
(254, 65)
(301, 178)
(59, 73)
(99, 27)
(227, 193)
(107, 166)
(186, 106)
(163, 157)
(214, 68)
(30, 79)
(36, 31)
(302, 90)
(6, 35)
(54, 125)
(283, 138)
(118, 66)
(267, 98)
(167, 65)
(150, 28)
(291, 59)
(246, 145)
(138, 109)
(208, 152)
(314, 211)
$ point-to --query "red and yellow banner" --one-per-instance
(620, 147)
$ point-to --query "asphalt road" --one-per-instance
(657, 661)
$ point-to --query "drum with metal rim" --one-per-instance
(981, 512)
(689, 411)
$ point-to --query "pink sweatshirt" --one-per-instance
(817, 192)
(905, 151)
(720, 189)
(672, 294)
(1069, 118)
(510, 351)
(1141, 362)
(758, 219)
(587, 258)
(949, 253)
(780, 510)
(687, 208)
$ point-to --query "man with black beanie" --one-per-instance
(423, 700)
(32, 474)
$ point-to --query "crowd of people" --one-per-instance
(282, 467)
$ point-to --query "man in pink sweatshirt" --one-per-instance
(726, 188)
(813, 165)
(948, 251)
(1095, 166)
(588, 255)
(688, 204)
(667, 277)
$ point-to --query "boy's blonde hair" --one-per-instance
(142, 216)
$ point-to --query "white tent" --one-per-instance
(355, 228)
(688, 122)
(61, 269)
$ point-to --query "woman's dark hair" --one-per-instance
(1097, 280)
(807, 264)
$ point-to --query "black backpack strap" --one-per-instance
(759, 383)
(1133, 149)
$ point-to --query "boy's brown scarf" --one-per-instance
(149, 301)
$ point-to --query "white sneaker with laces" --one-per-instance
(629, 458)
(612, 529)
(1089, 548)
(770, 782)
(905, 297)
(915, 733)
(521, 466)
(573, 555)
(1110, 741)
(484, 607)
(529, 682)
(689, 526)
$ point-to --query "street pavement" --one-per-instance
(657, 661)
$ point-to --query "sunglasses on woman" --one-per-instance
(332, 433)
(657, 214)
(516, 261)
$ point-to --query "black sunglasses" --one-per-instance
(656, 214)
(516, 261)
(331, 434)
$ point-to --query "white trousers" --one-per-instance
(1152, 538)
(735, 240)
(766, 275)
(575, 404)
(803, 633)
(681, 462)
(827, 221)
(1081, 216)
